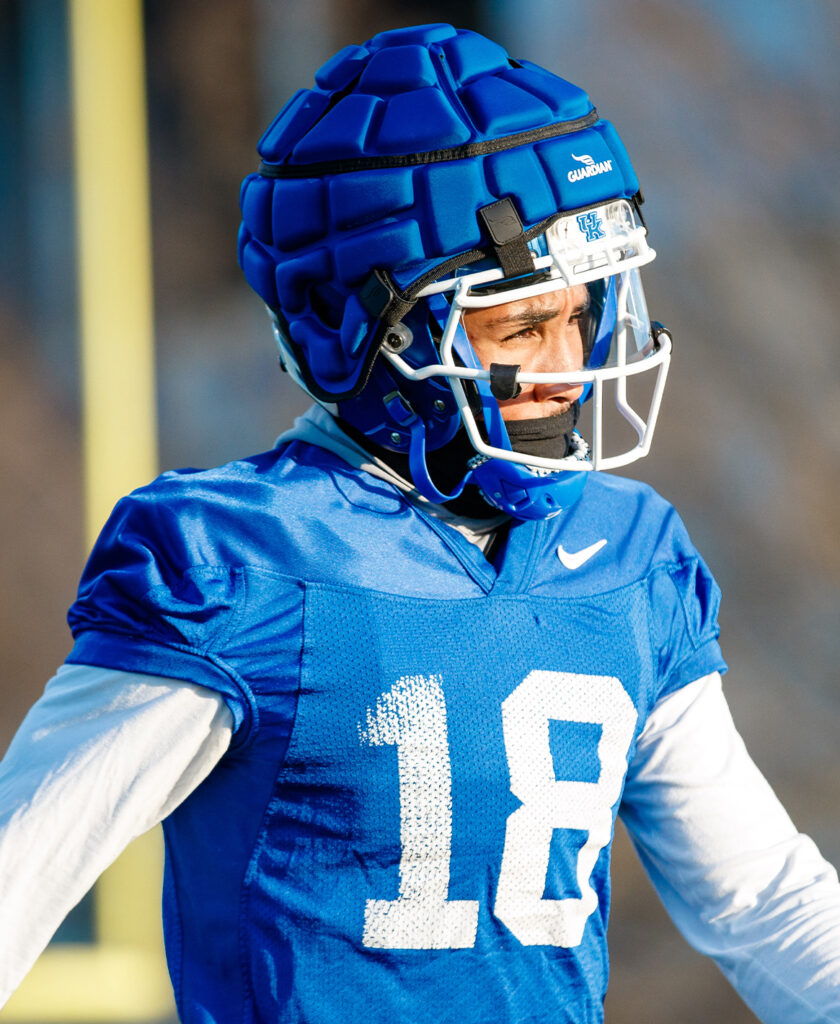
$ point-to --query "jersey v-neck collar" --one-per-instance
(516, 561)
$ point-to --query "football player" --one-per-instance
(389, 683)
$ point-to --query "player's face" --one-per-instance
(542, 334)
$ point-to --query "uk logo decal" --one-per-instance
(591, 225)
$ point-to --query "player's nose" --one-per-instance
(558, 392)
(561, 352)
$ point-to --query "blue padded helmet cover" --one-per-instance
(385, 163)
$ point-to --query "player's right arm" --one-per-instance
(103, 756)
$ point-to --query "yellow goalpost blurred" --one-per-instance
(121, 975)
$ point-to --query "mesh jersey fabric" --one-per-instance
(418, 805)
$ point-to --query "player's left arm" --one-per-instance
(738, 879)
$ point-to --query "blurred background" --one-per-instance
(730, 110)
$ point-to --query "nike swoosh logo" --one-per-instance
(575, 559)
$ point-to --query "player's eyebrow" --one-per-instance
(535, 316)
(527, 318)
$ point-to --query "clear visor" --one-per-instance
(601, 324)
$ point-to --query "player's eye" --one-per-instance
(524, 332)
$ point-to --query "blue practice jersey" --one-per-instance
(414, 819)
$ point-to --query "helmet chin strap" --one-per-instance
(406, 417)
(471, 487)
(550, 436)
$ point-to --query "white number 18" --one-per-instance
(412, 717)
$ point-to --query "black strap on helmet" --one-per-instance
(383, 299)
(503, 224)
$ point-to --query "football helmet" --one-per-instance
(428, 174)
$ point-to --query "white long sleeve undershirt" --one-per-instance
(738, 879)
(101, 758)
(104, 755)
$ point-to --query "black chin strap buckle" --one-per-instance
(503, 382)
